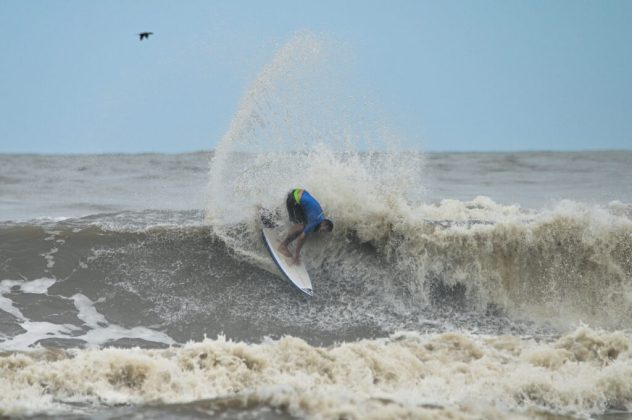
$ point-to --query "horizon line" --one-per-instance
(199, 151)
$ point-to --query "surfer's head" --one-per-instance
(326, 226)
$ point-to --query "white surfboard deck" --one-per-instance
(296, 274)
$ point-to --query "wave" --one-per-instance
(582, 373)
(382, 269)
(568, 262)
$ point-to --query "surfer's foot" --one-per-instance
(284, 251)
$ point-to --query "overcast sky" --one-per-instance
(449, 75)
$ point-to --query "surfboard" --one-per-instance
(296, 274)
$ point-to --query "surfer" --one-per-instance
(307, 216)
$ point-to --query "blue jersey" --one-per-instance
(313, 212)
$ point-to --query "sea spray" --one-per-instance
(297, 126)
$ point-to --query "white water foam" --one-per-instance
(450, 375)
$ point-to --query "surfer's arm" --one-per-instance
(299, 244)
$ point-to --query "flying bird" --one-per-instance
(144, 35)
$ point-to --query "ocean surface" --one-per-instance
(454, 285)
(503, 288)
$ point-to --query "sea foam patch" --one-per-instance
(101, 331)
(33, 330)
(94, 331)
(38, 286)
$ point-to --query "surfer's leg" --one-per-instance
(295, 232)
(284, 251)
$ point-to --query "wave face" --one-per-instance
(378, 272)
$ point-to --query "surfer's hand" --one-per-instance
(296, 260)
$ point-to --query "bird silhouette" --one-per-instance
(144, 35)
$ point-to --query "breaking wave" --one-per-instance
(292, 129)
